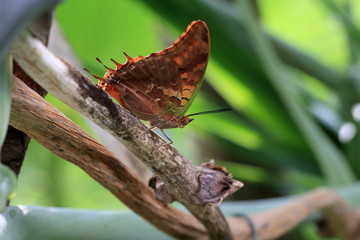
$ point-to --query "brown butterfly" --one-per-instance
(160, 88)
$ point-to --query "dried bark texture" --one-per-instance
(80, 93)
(16, 142)
(274, 223)
(31, 114)
(214, 186)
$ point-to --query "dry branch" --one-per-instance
(68, 85)
(31, 114)
(274, 223)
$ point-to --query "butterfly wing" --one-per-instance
(164, 84)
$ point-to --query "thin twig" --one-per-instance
(68, 85)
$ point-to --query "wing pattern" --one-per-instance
(163, 84)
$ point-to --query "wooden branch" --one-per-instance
(274, 223)
(31, 114)
(68, 85)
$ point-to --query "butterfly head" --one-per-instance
(185, 120)
(104, 81)
(104, 85)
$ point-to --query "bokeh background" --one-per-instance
(295, 110)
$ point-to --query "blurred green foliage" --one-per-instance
(7, 176)
(293, 84)
(262, 142)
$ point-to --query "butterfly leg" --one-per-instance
(168, 138)
(149, 129)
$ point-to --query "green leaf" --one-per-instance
(7, 177)
(16, 15)
(33, 223)
(330, 159)
(7, 186)
(5, 96)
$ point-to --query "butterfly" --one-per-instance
(160, 87)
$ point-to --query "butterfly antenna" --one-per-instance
(213, 111)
